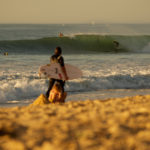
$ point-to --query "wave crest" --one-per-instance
(79, 44)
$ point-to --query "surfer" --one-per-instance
(61, 34)
(57, 58)
(6, 53)
(116, 43)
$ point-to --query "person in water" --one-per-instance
(56, 94)
(61, 34)
(57, 58)
(6, 53)
(116, 43)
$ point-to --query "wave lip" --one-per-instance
(80, 44)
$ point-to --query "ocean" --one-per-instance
(109, 70)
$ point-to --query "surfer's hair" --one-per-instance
(57, 87)
(59, 49)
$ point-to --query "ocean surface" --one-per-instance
(109, 70)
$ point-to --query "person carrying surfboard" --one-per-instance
(57, 58)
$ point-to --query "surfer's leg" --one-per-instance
(51, 83)
(62, 83)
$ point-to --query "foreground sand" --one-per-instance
(114, 124)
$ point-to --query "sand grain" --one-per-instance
(113, 124)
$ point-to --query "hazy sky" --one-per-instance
(74, 11)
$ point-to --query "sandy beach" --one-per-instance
(113, 124)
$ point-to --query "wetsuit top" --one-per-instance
(57, 59)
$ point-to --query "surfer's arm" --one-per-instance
(64, 72)
(63, 68)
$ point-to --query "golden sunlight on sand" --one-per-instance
(113, 124)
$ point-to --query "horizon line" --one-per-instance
(81, 23)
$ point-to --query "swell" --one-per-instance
(79, 44)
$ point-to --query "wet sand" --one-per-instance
(113, 124)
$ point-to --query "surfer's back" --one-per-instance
(57, 59)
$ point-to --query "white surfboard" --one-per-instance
(54, 71)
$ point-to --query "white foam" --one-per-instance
(99, 72)
(21, 89)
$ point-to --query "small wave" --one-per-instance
(21, 89)
(79, 44)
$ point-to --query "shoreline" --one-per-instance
(116, 123)
(84, 95)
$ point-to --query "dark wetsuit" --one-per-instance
(56, 59)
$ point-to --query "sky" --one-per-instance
(74, 11)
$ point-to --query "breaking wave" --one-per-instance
(80, 44)
(29, 87)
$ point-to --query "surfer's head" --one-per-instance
(58, 51)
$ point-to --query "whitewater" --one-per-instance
(107, 71)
